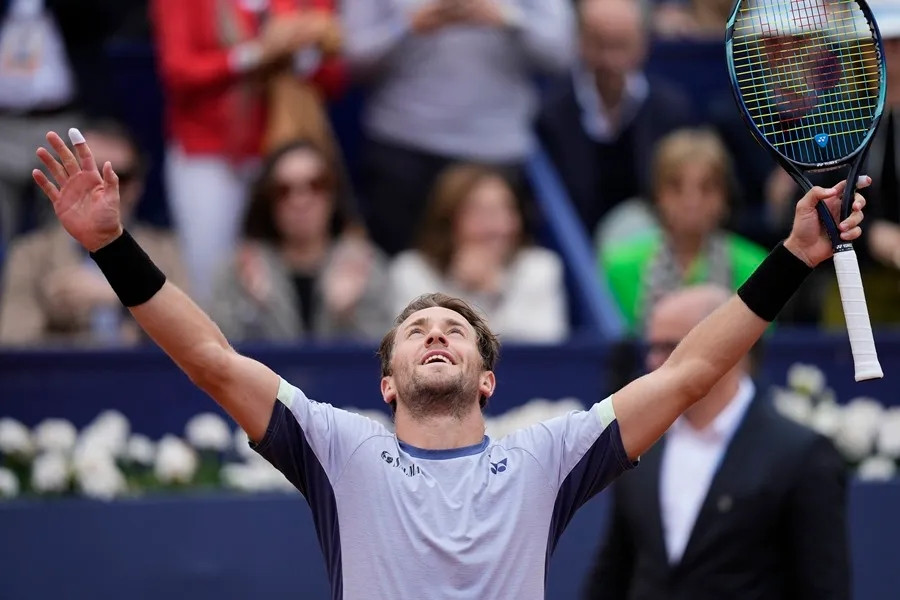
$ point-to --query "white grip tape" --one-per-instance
(856, 313)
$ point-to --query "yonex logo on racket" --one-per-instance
(821, 139)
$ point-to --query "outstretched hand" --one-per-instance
(85, 201)
(808, 239)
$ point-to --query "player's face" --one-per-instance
(436, 367)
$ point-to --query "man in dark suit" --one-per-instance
(600, 125)
(735, 502)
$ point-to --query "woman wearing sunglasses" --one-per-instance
(304, 269)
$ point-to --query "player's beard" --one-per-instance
(440, 396)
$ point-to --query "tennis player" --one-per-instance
(436, 510)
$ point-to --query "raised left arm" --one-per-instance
(646, 407)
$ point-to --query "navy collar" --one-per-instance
(429, 454)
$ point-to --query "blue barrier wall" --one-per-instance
(233, 547)
(146, 386)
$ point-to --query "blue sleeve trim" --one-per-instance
(286, 447)
(601, 464)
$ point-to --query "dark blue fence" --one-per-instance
(235, 547)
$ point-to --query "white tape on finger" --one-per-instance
(856, 313)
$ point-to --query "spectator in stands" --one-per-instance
(600, 126)
(52, 73)
(449, 80)
(734, 502)
(879, 249)
(691, 189)
(53, 293)
(304, 270)
(222, 66)
(473, 244)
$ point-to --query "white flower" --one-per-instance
(208, 431)
(15, 438)
(888, 441)
(242, 476)
(877, 468)
(100, 478)
(807, 379)
(55, 435)
(50, 472)
(794, 406)
(826, 418)
(140, 450)
(859, 427)
(255, 475)
(90, 448)
(176, 462)
(9, 485)
(110, 430)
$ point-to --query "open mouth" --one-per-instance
(437, 356)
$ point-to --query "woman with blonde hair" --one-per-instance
(691, 192)
(473, 244)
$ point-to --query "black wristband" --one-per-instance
(133, 276)
(774, 282)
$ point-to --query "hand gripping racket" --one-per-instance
(809, 78)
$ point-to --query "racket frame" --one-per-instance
(866, 365)
(797, 169)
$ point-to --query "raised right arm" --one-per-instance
(87, 205)
(245, 388)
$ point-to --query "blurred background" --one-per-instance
(304, 168)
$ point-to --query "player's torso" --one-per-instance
(415, 526)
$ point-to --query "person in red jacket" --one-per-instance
(216, 58)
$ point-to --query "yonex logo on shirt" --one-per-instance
(498, 467)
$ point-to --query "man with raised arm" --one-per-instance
(436, 510)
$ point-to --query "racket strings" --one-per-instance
(809, 74)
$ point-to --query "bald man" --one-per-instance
(735, 502)
(601, 123)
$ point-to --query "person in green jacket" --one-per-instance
(691, 180)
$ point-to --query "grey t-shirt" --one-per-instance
(404, 523)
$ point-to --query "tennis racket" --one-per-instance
(809, 78)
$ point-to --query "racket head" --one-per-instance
(809, 78)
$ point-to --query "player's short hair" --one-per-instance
(488, 344)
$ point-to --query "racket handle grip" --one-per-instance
(856, 313)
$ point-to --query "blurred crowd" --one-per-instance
(279, 237)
